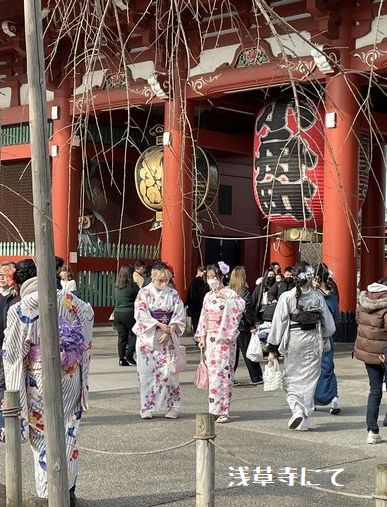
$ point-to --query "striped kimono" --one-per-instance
(23, 371)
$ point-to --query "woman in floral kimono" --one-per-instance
(159, 312)
(217, 332)
(23, 369)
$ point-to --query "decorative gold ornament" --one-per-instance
(148, 175)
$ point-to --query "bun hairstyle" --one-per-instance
(215, 268)
(303, 273)
(24, 270)
(160, 268)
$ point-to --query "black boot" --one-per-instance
(73, 498)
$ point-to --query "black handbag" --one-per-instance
(308, 320)
(267, 312)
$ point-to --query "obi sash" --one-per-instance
(214, 320)
(71, 343)
(162, 316)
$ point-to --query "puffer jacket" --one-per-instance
(371, 340)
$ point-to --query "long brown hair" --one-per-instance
(238, 279)
(124, 277)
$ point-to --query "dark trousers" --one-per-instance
(124, 321)
(255, 370)
(195, 316)
(375, 375)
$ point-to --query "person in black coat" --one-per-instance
(197, 289)
(247, 323)
(283, 286)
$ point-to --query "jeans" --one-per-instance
(375, 375)
(124, 321)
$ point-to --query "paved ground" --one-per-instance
(257, 436)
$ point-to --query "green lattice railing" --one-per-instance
(18, 134)
(97, 287)
(121, 251)
(9, 249)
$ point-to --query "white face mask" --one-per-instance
(213, 283)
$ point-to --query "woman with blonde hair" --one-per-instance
(217, 332)
(159, 313)
(238, 283)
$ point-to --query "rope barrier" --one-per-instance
(230, 453)
(318, 488)
(136, 453)
(10, 411)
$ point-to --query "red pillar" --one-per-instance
(341, 175)
(66, 180)
(176, 245)
(283, 252)
(373, 211)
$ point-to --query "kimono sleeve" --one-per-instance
(280, 323)
(87, 331)
(328, 326)
(144, 320)
(178, 317)
(15, 348)
(202, 325)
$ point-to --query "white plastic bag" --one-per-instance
(254, 350)
(272, 377)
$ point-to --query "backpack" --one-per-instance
(308, 319)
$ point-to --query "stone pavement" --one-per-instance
(257, 435)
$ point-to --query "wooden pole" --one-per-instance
(381, 486)
(205, 460)
(13, 470)
(58, 488)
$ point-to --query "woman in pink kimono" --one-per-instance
(159, 312)
(217, 332)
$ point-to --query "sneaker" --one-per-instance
(222, 419)
(304, 426)
(131, 361)
(147, 415)
(373, 438)
(236, 382)
(256, 382)
(335, 409)
(123, 362)
(172, 413)
(295, 420)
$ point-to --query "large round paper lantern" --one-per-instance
(288, 164)
(288, 173)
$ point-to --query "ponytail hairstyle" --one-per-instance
(303, 273)
(323, 274)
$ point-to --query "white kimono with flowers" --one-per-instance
(159, 386)
(219, 321)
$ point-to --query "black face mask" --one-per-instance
(289, 280)
(270, 281)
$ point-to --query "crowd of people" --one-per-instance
(293, 314)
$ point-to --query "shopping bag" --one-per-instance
(181, 359)
(272, 377)
(254, 350)
(201, 374)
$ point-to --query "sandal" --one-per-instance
(222, 419)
